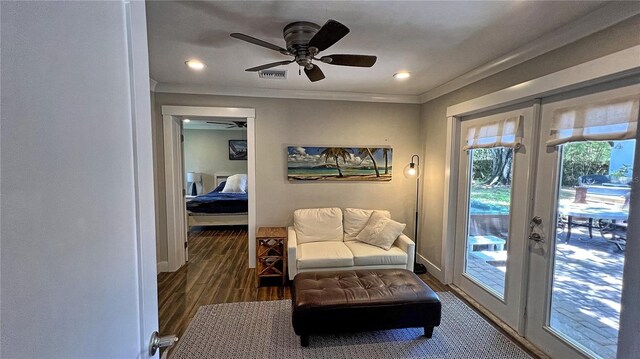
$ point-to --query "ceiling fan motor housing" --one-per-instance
(297, 35)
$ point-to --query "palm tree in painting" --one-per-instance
(335, 153)
(369, 152)
(385, 155)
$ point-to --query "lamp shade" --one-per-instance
(194, 177)
(412, 170)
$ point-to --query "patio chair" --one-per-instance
(614, 232)
(592, 179)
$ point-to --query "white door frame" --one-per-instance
(144, 190)
(174, 192)
(176, 208)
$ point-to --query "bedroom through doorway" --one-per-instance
(209, 167)
(215, 167)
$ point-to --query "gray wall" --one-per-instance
(433, 114)
(282, 122)
(207, 152)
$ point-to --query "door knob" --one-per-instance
(157, 342)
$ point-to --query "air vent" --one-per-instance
(273, 74)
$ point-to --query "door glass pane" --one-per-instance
(488, 217)
(593, 205)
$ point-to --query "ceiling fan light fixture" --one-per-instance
(402, 75)
(195, 64)
(304, 40)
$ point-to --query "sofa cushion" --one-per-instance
(381, 231)
(356, 219)
(318, 225)
(368, 255)
(324, 255)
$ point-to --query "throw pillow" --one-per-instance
(380, 231)
(355, 219)
(220, 187)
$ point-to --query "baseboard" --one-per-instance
(431, 268)
(163, 267)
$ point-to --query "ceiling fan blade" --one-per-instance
(315, 74)
(218, 123)
(268, 66)
(259, 42)
(350, 60)
(329, 34)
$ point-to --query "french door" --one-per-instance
(490, 241)
(540, 241)
(581, 197)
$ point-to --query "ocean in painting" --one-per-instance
(339, 163)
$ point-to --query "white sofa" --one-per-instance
(323, 239)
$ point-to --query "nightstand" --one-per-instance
(271, 252)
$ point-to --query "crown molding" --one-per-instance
(597, 20)
(283, 93)
(152, 84)
(607, 68)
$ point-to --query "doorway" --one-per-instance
(541, 242)
(176, 180)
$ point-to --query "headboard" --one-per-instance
(221, 177)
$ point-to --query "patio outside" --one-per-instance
(587, 281)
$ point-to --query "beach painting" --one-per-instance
(307, 163)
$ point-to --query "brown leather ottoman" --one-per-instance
(362, 300)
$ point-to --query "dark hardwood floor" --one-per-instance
(217, 272)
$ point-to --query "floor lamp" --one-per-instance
(412, 170)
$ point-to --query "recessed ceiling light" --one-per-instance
(195, 64)
(186, 120)
(402, 75)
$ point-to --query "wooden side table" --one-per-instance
(271, 252)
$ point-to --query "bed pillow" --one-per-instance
(220, 187)
(236, 184)
(380, 231)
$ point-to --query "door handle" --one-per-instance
(156, 342)
(533, 235)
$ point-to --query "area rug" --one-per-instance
(263, 330)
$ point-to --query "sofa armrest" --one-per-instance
(292, 252)
(408, 246)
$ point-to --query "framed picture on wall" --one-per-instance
(313, 163)
(237, 150)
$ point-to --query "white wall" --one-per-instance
(207, 152)
(68, 214)
(282, 122)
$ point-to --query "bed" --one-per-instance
(218, 209)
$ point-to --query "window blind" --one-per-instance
(610, 120)
(500, 133)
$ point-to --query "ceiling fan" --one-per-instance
(232, 124)
(305, 40)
